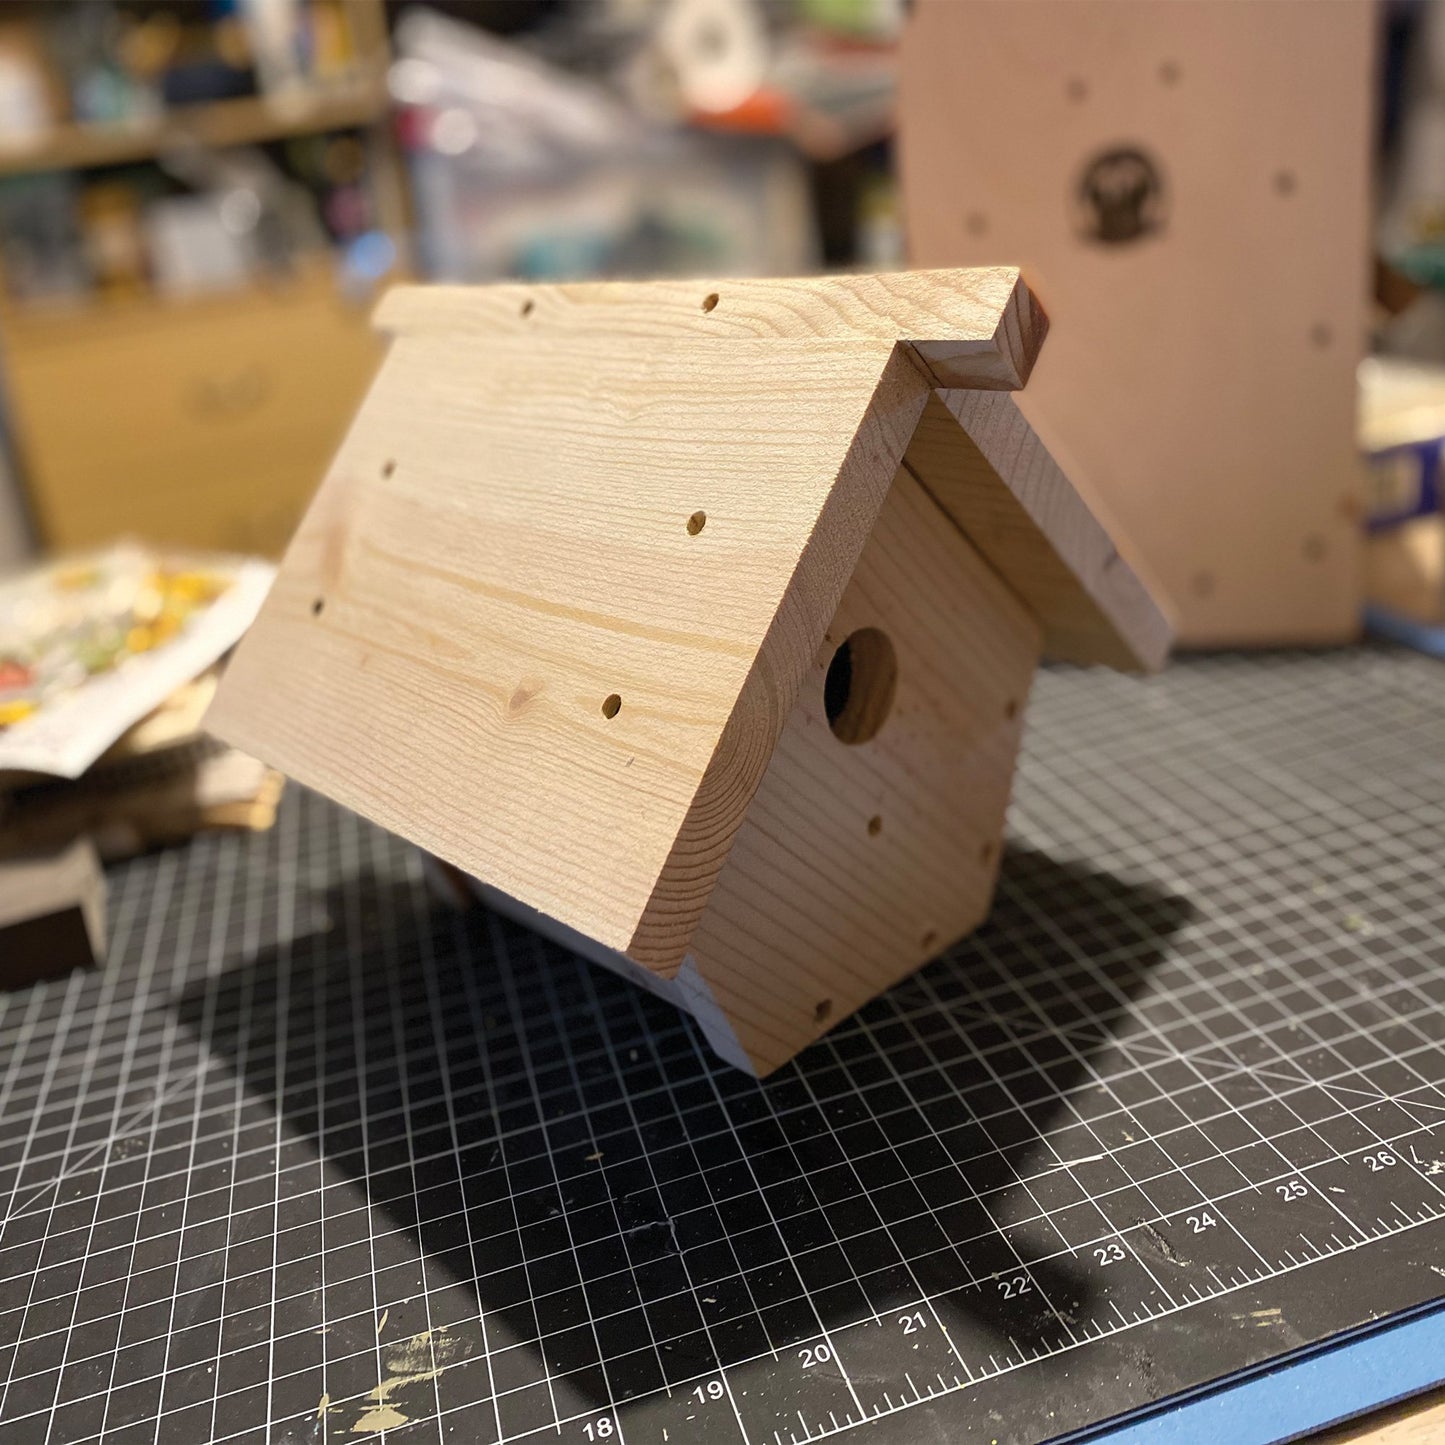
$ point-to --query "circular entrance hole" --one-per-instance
(858, 690)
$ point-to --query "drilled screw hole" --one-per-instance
(1314, 548)
(875, 826)
(1170, 72)
(317, 606)
(388, 467)
(930, 941)
(611, 705)
(824, 1008)
(1284, 183)
(1321, 335)
(1077, 89)
(1011, 708)
(696, 523)
(985, 853)
(709, 301)
(528, 306)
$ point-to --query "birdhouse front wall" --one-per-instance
(863, 856)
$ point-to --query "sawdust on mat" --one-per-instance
(411, 1361)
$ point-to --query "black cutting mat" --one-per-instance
(314, 1156)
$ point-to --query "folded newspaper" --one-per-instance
(90, 645)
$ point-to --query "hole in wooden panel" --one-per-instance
(696, 523)
(1011, 708)
(1284, 183)
(976, 223)
(528, 306)
(1170, 72)
(859, 687)
(824, 1008)
(317, 606)
(1202, 584)
(1314, 548)
(1321, 335)
(875, 826)
(388, 467)
(709, 301)
(1077, 89)
(930, 941)
(985, 854)
(611, 705)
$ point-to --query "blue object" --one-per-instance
(1405, 630)
(1338, 1382)
(1425, 457)
(369, 257)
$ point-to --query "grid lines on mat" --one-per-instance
(316, 1158)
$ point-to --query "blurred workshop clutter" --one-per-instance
(107, 664)
(200, 202)
(693, 159)
(195, 204)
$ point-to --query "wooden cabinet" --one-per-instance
(207, 422)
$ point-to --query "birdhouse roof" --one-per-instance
(558, 592)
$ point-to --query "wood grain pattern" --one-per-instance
(1199, 377)
(494, 556)
(801, 612)
(858, 863)
(983, 463)
(976, 328)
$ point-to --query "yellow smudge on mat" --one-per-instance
(322, 1406)
(379, 1417)
(381, 1323)
(411, 1361)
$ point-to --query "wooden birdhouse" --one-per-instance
(695, 621)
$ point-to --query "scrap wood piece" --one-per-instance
(52, 914)
(144, 802)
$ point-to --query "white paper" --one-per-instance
(69, 733)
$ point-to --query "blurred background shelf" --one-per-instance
(246, 120)
(198, 205)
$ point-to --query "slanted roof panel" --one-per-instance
(503, 544)
(984, 464)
